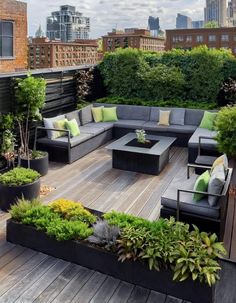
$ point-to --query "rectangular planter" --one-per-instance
(106, 262)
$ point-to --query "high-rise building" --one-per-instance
(154, 25)
(198, 24)
(183, 21)
(232, 12)
(67, 25)
(13, 36)
(216, 10)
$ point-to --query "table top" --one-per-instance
(159, 148)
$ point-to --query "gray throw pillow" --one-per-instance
(177, 116)
(216, 184)
(86, 115)
(73, 115)
(48, 123)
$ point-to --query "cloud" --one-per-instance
(108, 14)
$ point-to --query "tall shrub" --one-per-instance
(163, 83)
(122, 72)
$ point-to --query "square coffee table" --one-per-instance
(150, 158)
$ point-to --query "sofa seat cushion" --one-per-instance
(63, 141)
(132, 124)
(184, 129)
(202, 207)
(104, 125)
(95, 131)
(209, 144)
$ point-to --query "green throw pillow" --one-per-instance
(201, 184)
(97, 114)
(73, 127)
(109, 114)
(208, 120)
(59, 124)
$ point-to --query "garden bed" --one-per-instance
(82, 253)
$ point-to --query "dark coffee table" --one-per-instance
(128, 154)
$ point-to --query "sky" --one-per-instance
(107, 14)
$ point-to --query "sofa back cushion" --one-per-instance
(48, 123)
(129, 112)
(177, 115)
(73, 115)
(86, 115)
(193, 116)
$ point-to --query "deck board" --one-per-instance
(27, 276)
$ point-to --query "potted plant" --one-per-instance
(30, 95)
(226, 127)
(17, 183)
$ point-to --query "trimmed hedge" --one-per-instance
(195, 75)
(167, 103)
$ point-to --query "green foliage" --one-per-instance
(163, 83)
(211, 24)
(72, 210)
(43, 218)
(167, 103)
(19, 176)
(6, 121)
(123, 71)
(226, 127)
(175, 74)
(167, 243)
(30, 94)
(18, 210)
(37, 154)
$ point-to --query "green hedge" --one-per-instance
(167, 103)
(195, 75)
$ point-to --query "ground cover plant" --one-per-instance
(19, 176)
(161, 244)
(173, 75)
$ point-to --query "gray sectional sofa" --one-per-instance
(184, 125)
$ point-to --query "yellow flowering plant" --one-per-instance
(72, 210)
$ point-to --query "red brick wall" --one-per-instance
(15, 11)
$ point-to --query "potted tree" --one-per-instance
(17, 183)
(226, 127)
(30, 95)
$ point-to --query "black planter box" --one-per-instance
(40, 165)
(106, 262)
(10, 194)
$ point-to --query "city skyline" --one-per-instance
(108, 14)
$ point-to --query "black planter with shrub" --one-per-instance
(17, 183)
(38, 162)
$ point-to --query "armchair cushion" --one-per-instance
(201, 184)
(202, 208)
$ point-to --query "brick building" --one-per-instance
(44, 53)
(212, 37)
(138, 38)
(13, 36)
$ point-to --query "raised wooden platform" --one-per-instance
(27, 276)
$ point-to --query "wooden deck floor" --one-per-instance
(27, 276)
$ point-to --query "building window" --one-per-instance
(6, 39)
(189, 39)
(224, 37)
(212, 38)
(199, 38)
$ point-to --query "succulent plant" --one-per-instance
(104, 234)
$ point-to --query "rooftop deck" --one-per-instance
(27, 276)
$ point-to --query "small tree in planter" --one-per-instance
(30, 95)
(226, 127)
